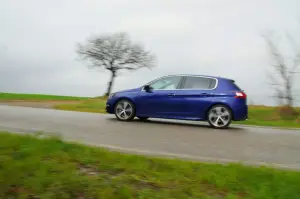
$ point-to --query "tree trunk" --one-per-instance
(289, 98)
(110, 83)
(289, 94)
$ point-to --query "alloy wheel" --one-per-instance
(124, 110)
(219, 116)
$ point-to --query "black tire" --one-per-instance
(129, 118)
(229, 118)
(143, 118)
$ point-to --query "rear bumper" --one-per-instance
(240, 113)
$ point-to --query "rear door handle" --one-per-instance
(171, 94)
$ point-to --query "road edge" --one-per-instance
(157, 154)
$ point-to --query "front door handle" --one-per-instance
(171, 94)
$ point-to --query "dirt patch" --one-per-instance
(36, 104)
(88, 170)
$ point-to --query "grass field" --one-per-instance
(51, 168)
(37, 97)
(90, 105)
(269, 116)
(258, 115)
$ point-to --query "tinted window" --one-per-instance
(199, 83)
(166, 83)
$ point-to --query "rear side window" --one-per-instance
(199, 83)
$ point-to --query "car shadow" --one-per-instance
(178, 123)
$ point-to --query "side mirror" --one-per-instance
(147, 88)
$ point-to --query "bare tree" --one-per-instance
(115, 52)
(284, 69)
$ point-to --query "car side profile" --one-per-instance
(183, 97)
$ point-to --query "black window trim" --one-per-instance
(182, 82)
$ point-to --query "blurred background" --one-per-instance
(209, 37)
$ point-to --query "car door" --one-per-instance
(195, 96)
(159, 102)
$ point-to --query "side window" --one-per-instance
(167, 83)
(199, 83)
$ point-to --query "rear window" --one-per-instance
(199, 83)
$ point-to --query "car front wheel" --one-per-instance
(124, 110)
(219, 116)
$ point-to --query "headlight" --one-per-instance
(111, 95)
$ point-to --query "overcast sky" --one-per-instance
(210, 37)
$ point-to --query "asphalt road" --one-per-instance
(190, 140)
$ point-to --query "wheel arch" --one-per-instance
(124, 98)
(219, 103)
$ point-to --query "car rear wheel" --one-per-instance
(124, 110)
(219, 116)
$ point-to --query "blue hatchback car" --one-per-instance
(183, 97)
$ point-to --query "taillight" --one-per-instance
(240, 95)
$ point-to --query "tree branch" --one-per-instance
(283, 89)
(115, 52)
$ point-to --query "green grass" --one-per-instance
(91, 105)
(36, 97)
(51, 168)
(269, 116)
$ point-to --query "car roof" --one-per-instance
(198, 75)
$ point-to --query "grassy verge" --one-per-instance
(91, 105)
(51, 168)
(258, 115)
(37, 97)
(269, 116)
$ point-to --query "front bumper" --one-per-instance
(109, 108)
